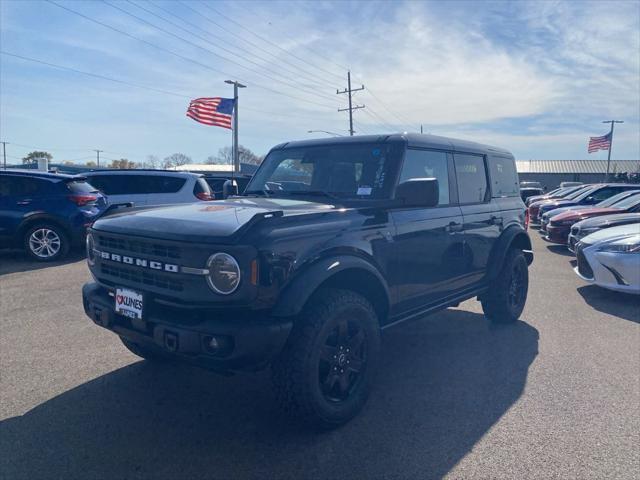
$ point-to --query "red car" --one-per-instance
(560, 225)
(534, 207)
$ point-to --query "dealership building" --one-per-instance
(550, 173)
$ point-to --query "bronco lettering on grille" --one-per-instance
(140, 262)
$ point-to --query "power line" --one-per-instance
(111, 79)
(403, 121)
(381, 121)
(253, 70)
(158, 47)
(267, 40)
(103, 77)
(254, 45)
(315, 52)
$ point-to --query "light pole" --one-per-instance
(236, 152)
(612, 122)
(325, 131)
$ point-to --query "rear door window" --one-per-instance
(471, 175)
(428, 164)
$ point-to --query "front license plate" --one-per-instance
(128, 303)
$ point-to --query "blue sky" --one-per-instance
(534, 77)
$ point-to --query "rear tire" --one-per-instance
(323, 375)
(507, 295)
(143, 352)
(46, 242)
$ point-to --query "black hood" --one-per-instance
(206, 222)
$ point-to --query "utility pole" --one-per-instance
(351, 108)
(612, 122)
(421, 129)
(98, 157)
(236, 151)
(4, 153)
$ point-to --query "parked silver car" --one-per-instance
(146, 188)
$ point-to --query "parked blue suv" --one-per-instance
(46, 213)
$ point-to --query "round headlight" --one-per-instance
(91, 253)
(224, 273)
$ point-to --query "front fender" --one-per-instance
(296, 294)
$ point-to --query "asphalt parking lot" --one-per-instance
(556, 395)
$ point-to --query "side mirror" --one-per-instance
(229, 188)
(419, 192)
(590, 199)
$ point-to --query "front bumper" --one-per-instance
(250, 340)
(614, 271)
(558, 234)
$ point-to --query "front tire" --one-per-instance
(507, 295)
(324, 374)
(46, 242)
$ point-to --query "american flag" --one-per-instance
(599, 143)
(214, 111)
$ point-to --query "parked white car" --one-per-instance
(146, 188)
(610, 258)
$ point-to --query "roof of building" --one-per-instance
(577, 166)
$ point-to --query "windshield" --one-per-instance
(616, 198)
(581, 193)
(357, 171)
(628, 202)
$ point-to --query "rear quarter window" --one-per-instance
(504, 177)
(161, 184)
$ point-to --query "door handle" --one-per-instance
(495, 220)
(24, 202)
(453, 227)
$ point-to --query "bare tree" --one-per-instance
(225, 156)
(32, 157)
(152, 161)
(176, 160)
(122, 164)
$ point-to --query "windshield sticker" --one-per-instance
(375, 152)
(379, 179)
(364, 190)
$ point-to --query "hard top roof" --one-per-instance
(411, 139)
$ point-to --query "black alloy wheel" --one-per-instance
(342, 359)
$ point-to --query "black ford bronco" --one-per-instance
(333, 241)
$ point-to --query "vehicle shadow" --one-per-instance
(443, 383)
(623, 305)
(560, 250)
(14, 261)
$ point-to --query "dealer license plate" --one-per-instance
(128, 303)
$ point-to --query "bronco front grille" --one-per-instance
(142, 277)
(140, 247)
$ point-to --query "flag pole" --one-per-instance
(235, 147)
(612, 122)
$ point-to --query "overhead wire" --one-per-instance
(253, 70)
(404, 122)
(178, 55)
(207, 6)
(307, 75)
(271, 114)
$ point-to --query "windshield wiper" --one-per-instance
(265, 192)
(310, 193)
